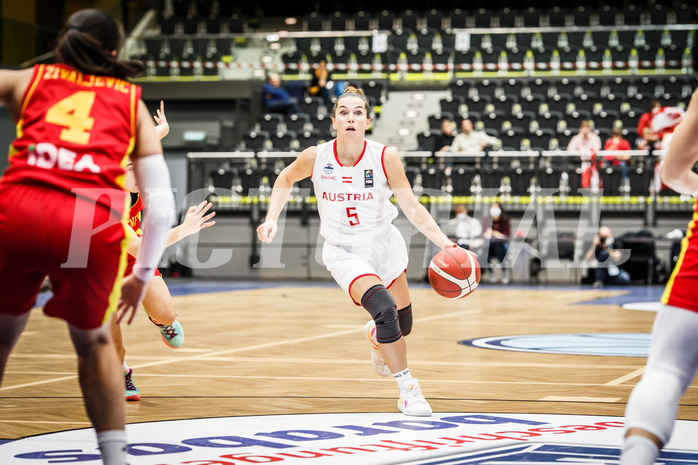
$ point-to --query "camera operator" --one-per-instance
(607, 273)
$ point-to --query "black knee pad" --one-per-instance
(381, 306)
(404, 316)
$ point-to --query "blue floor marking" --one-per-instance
(184, 286)
(179, 287)
(632, 294)
(203, 287)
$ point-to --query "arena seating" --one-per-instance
(623, 38)
(526, 76)
(530, 103)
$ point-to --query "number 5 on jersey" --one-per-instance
(74, 113)
(353, 216)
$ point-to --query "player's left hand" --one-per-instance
(196, 219)
(132, 292)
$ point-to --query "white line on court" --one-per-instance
(242, 349)
(629, 376)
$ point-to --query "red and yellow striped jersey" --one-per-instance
(680, 290)
(134, 217)
(74, 130)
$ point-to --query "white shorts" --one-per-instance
(386, 259)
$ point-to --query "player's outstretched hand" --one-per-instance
(196, 219)
(266, 231)
(163, 127)
(132, 292)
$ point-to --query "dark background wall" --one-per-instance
(30, 27)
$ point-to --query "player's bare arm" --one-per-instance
(301, 168)
(413, 210)
(677, 170)
(148, 141)
(148, 144)
(195, 220)
(12, 86)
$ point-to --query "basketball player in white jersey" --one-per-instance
(354, 179)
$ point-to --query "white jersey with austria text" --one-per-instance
(353, 201)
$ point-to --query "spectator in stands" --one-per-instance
(585, 140)
(497, 228)
(607, 271)
(276, 98)
(321, 83)
(618, 142)
(443, 141)
(470, 140)
(465, 230)
(647, 138)
(664, 121)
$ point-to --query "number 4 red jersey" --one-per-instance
(74, 130)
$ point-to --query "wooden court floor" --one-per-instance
(295, 348)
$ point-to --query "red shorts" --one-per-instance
(35, 232)
(131, 262)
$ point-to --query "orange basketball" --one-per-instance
(454, 272)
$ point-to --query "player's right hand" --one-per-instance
(448, 243)
(132, 292)
(267, 230)
(163, 127)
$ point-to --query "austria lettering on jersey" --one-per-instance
(346, 197)
(353, 212)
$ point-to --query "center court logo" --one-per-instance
(372, 438)
(606, 344)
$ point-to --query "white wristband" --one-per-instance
(153, 179)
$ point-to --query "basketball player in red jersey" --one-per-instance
(354, 179)
(673, 358)
(62, 206)
(157, 301)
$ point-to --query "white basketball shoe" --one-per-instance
(376, 357)
(412, 402)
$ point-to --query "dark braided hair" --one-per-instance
(87, 43)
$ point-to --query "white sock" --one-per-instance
(112, 445)
(638, 450)
(403, 378)
(124, 367)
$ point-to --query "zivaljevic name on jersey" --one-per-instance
(346, 197)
